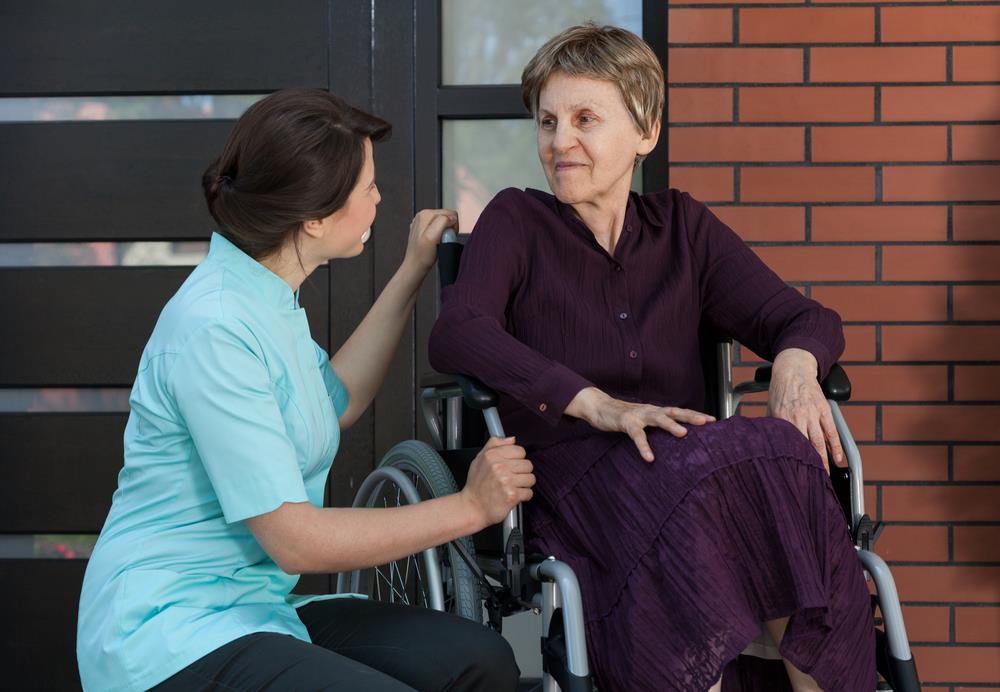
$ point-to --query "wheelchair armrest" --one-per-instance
(475, 393)
(836, 386)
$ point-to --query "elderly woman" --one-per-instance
(583, 308)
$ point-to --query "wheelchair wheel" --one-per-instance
(404, 581)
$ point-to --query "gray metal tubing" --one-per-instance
(453, 422)
(550, 601)
(449, 236)
(888, 601)
(428, 406)
(365, 494)
(728, 400)
(853, 463)
(551, 570)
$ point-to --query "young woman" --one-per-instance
(235, 419)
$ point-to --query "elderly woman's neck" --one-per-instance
(605, 218)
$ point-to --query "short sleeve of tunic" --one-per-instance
(223, 392)
(334, 387)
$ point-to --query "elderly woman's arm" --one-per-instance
(745, 299)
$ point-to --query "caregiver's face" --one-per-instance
(587, 140)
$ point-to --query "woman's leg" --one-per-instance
(800, 681)
(267, 660)
(424, 648)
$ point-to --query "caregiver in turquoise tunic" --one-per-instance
(235, 420)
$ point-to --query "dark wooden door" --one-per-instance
(67, 330)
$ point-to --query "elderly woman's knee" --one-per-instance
(482, 660)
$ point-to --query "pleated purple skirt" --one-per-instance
(681, 560)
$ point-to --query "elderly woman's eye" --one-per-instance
(547, 123)
(587, 119)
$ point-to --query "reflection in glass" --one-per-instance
(64, 400)
(490, 42)
(481, 157)
(141, 254)
(195, 106)
(61, 546)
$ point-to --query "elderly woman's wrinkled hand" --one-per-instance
(796, 396)
(606, 413)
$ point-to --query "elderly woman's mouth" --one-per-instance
(567, 165)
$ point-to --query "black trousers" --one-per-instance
(359, 645)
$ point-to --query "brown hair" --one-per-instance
(291, 157)
(609, 53)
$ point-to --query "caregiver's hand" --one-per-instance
(604, 412)
(499, 478)
(796, 396)
(425, 234)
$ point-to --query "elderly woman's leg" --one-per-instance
(801, 682)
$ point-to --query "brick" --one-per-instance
(940, 183)
(947, 584)
(877, 64)
(976, 142)
(976, 64)
(881, 383)
(978, 624)
(705, 184)
(926, 624)
(705, 65)
(699, 105)
(933, 423)
(737, 144)
(944, 103)
(904, 462)
(885, 303)
(871, 502)
(941, 503)
(892, 143)
(825, 263)
(958, 664)
(764, 223)
(730, 2)
(807, 104)
(700, 26)
(977, 303)
(807, 25)
(860, 343)
(802, 184)
(939, 343)
(977, 382)
(941, 263)
(977, 543)
(944, 24)
(880, 223)
(977, 223)
(914, 543)
(977, 463)
(861, 421)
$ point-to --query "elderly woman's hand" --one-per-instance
(604, 412)
(796, 396)
(425, 235)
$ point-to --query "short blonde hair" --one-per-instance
(606, 52)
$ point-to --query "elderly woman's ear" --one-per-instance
(648, 142)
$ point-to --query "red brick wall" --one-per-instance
(857, 148)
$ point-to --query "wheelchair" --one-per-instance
(488, 576)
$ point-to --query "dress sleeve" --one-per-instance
(223, 392)
(745, 299)
(334, 386)
(470, 336)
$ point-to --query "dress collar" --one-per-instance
(268, 285)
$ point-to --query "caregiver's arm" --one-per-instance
(302, 538)
(361, 363)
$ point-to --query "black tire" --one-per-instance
(401, 581)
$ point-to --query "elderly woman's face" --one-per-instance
(587, 140)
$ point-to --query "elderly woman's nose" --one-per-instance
(563, 138)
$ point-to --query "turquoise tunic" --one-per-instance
(234, 411)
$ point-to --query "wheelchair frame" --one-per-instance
(558, 598)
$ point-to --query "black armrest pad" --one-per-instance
(476, 394)
(836, 386)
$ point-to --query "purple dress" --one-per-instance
(736, 523)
